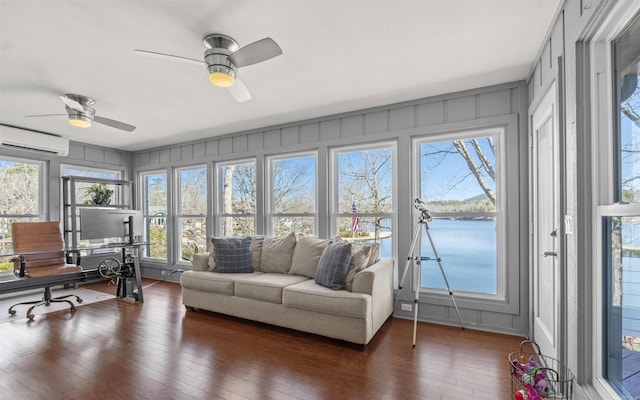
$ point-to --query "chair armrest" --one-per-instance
(19, 266)
(376, 278)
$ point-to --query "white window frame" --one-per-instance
(603, 167)
(333, 189)
(270, 190)
(217, 185)
(142, 195)
(42, 193)
(177, 241)
(501, 271)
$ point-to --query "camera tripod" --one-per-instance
(423, 220)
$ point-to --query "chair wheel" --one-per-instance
(12, 312)
(79, 301)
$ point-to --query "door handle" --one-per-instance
(550, 253)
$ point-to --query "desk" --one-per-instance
(128, 286)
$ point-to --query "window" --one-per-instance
(192, 211)
(293, 194)
(619, 218)
(237, 202)
(21, 198)
(459, 181)
(154, 208)
(363, 209)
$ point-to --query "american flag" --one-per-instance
(355, 223)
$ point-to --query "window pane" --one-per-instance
(155, 211)
(365, 197)
(238, 226)
(83, 194)
(300, 225)
(294, 185)
(238, 191)
(193, 237)
(467, 249)
(193, 192)
(459, 177)
(622, 319)
(627, 62)
(19, 199)
(369, 230)
(365, 177)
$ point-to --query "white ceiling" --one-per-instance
(338, 56)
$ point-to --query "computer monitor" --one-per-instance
(106, 223)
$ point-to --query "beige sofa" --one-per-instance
(283, 291)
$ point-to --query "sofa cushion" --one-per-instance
(306, 256)
(374, 257)
(200, 262)
(359, 258)
(266, 286)
(213, 282)
(256, 251)
(310, 296)
(334, 265)
(212, 259)
(277, 254)
(233, 255)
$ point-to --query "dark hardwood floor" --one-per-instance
(117, 349)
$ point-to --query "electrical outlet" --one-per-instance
(406, 307)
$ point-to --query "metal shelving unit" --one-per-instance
(123, 195)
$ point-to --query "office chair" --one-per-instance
(40, 250)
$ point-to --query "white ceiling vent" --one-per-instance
(23, 139)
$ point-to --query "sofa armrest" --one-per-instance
(376, 278)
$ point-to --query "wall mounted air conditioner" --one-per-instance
(24, 139)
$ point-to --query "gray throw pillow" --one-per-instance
(233, 255)
(306, 256)
(277, 254)
(334, 265)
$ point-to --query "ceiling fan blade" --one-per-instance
(255, 52)
(45, 115)
(72, 104)
(239, 91)
(114, 124)
(168, 57)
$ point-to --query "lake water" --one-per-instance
(467, 250)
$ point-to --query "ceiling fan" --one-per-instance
(81, 113)
(223, 56)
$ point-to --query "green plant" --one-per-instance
(98, 193)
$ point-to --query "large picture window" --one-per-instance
(363, 209)
(459, 183)
(154, 207)
(21, 198)
(237, 198)
(192, 211)
(620, 224)
(292, 190)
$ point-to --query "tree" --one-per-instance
(366, 179)
(477, 161)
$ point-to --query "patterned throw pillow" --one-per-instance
(334, 265)
(233, 255)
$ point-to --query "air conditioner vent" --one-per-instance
(24, 139)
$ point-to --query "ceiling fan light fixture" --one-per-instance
(80, 122)
(221, 79)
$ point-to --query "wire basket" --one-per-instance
(535, 376)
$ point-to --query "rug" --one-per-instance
(87, 296)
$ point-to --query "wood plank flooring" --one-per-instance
(118, 349)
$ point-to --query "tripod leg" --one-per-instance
(410, 258)
(416, 300)
(446, 281)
